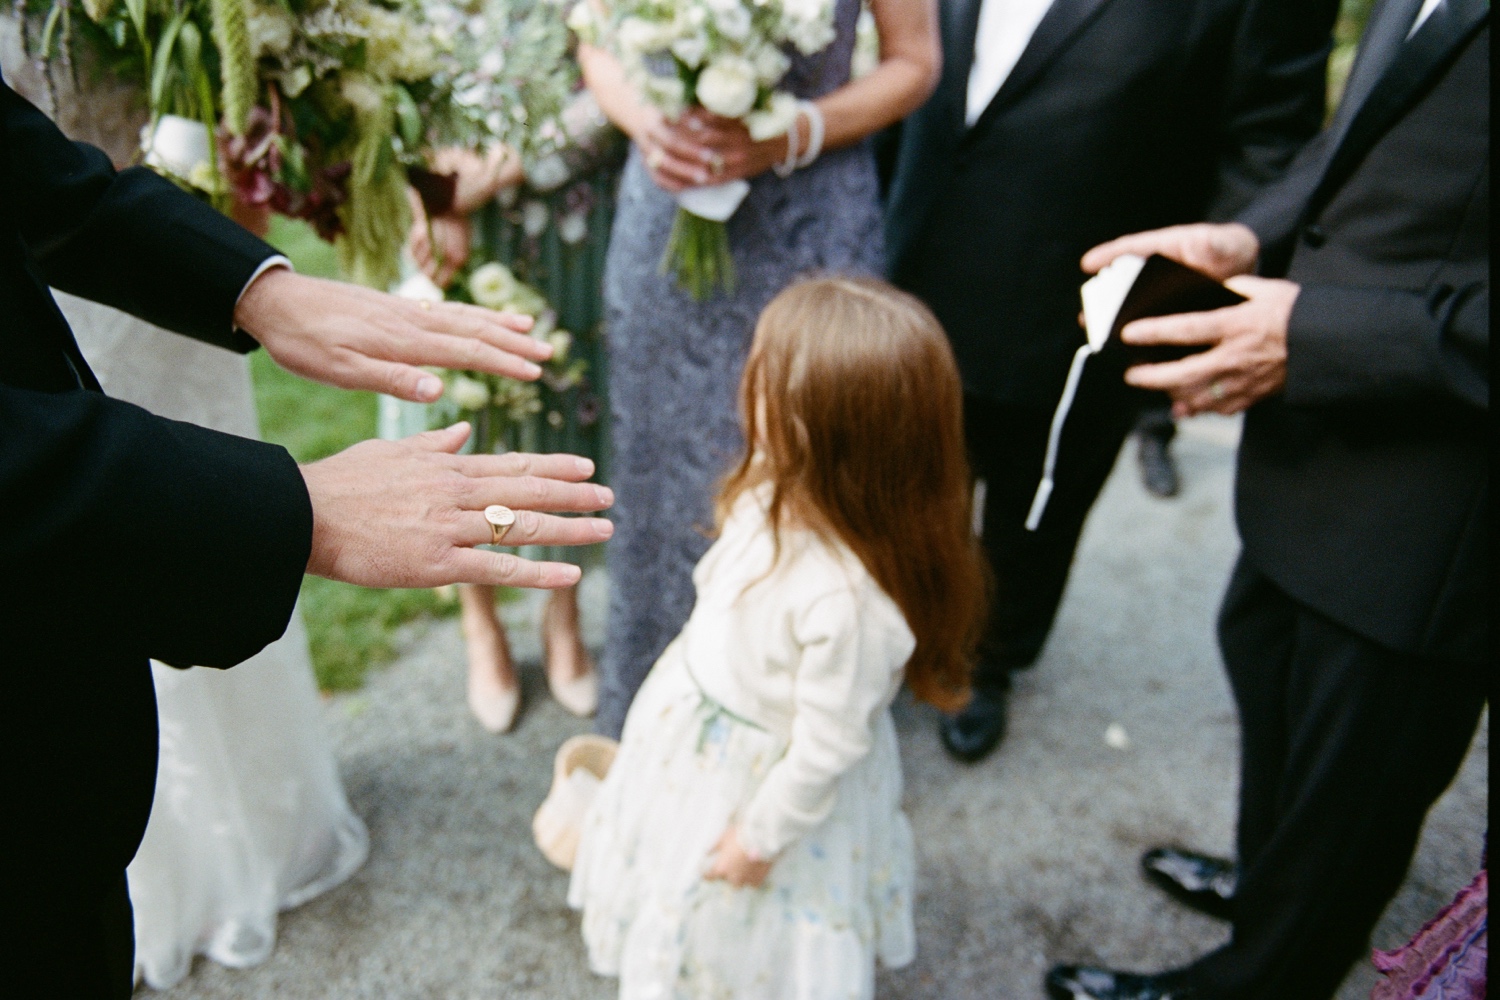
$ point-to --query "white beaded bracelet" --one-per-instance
(785, 168)
(816, 130)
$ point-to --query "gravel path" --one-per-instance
(1025, 859)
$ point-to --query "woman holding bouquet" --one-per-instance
(676, 355)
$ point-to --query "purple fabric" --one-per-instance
(1447, 959)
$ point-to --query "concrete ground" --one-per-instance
(1026, 859)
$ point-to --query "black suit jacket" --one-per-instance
(123, 535)
(1363, 489)
(1121, 115)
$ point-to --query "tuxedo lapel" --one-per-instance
(1058, 27)
(960, 26)
(1420, 59)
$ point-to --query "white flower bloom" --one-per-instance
(534, 218)
(271, 31)
(668, 94)
(548, 174)
(492, 63)
(468, 393)
(775, 120)
(561, 341)
(573, 228)
(420, 288)
(733, 23)
(643, 37)
(771, 65)
(690, 50)
(362, 92)
(492, 285)
(727, 87)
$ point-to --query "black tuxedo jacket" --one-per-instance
(1121, 115)
(123, 535)
(1363, 489)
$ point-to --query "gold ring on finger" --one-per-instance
(1216, 390)
(501, 519)
(655, 158)
(426, 305)
(716, 164)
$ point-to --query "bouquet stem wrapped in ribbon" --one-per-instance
(728, 57)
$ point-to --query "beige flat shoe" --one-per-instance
(580, 765)
(495, 709)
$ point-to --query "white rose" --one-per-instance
(492, 285)
(468, 393)
(775, 120)
(668, 94)
(727, 87)
(771, 65)
(641, 36)
(733, 23)
(690, 50)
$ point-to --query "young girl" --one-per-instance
(748, 842)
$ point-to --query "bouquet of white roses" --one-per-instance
(727, 56)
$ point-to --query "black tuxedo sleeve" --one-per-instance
(1373, 345)
(130, 239)
(1275, 95)
(136, 535)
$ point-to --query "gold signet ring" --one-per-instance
(501, 520)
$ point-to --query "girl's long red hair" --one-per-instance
(853, 411)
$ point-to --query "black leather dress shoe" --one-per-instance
(1082, 982)
(978, 728)
(1204, 882)
(1158, 467)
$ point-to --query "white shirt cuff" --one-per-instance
(271, 262)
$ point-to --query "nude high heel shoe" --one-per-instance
(580, 765)
(495, 710)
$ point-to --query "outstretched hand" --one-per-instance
(409, 513)
(356, 338)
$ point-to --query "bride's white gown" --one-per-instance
(250, 817)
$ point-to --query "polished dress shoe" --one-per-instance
(978, 728)
(1200, 881)
(1082, 982)
(1158, 467)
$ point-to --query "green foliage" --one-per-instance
(1346, 31)
(237, 62)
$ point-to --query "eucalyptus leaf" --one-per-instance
(408, 118)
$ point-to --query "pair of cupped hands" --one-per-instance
(409, 513)
(1246, 344)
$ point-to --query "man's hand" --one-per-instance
(409, 513)
(1221, 250)
(356, 338)
(1247, 362)
(735, 865)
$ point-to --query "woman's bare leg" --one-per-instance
(494, 689)
(570, 668)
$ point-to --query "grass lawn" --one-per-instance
(350, 629)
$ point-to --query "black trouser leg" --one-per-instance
(81, 949)
(1007, 445)
(1155, 419)
(1346, 745)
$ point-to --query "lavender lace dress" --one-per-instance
(675, 365)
